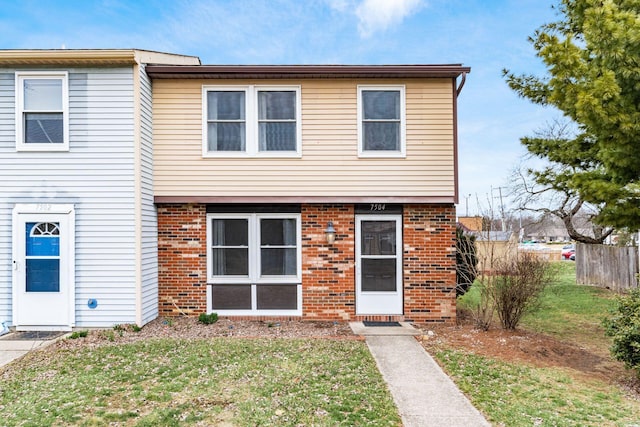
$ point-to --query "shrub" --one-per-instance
(623, 325)
(208, 319)
(517, 284)
(78, 334)
(466, 261)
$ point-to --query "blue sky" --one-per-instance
(487, 35)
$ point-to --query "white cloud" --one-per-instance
(378, 15)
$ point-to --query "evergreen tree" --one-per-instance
(592, 55)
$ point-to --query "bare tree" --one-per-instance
(546, 192)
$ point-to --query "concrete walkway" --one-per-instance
(423, 393)
(12, 349)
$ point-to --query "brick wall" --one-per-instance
(328, 271)
(182, 259)
(429, 263)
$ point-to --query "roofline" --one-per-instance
(306, 71)
(30, 57)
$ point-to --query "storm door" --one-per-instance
(43, 276)
(379, 264)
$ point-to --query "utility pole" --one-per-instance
(502, 215)
(467, 204)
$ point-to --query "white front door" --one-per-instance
(379, 264)
(43, 267)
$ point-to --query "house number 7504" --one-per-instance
(378, 206)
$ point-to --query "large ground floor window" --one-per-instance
(254, 263)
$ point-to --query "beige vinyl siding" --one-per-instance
(329, 166)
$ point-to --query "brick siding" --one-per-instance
(328, 271)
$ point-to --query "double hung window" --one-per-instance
(42, 117)
(251, 120)
(381, 121)
(254, 262)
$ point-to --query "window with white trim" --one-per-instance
(251, 120)
(42, 116)
(254, 263)
(381, 121)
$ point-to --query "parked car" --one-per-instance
(567, 251)
(572, 257)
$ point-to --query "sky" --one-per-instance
(486, 35)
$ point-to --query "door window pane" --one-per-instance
(378, 238)
(42, 257)
(378, 275)
(42, 275)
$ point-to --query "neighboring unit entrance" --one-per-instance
(43, 267)
(379, 264)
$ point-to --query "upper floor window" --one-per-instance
(381, 121)
(252, 120)
(42, 116)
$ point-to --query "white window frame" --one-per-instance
(20, 76)
(254, 279)
(403, 123)
(252, 148)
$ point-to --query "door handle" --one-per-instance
(15, 265)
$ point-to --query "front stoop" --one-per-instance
(405, 329)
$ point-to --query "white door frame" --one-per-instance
(44, 212)
(379, 302)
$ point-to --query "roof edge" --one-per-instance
(91, 57)
(306, 71)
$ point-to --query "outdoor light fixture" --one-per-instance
(330, 232)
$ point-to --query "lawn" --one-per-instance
(517, 393)
(220, 381)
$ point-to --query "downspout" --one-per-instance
(461, 85)
(5, 328)
(456, 93)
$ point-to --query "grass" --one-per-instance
(221, 381)
(515, 394)
(571, 312)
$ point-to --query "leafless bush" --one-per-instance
(516, 287)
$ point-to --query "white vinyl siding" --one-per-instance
(96, 175)
(329, 165)
(149, 255)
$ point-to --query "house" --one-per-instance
(137, 184)
(78, 239)
(312, 192)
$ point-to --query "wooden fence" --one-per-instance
(605, 266)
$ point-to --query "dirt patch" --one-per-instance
(190, 328)
(528, 347)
